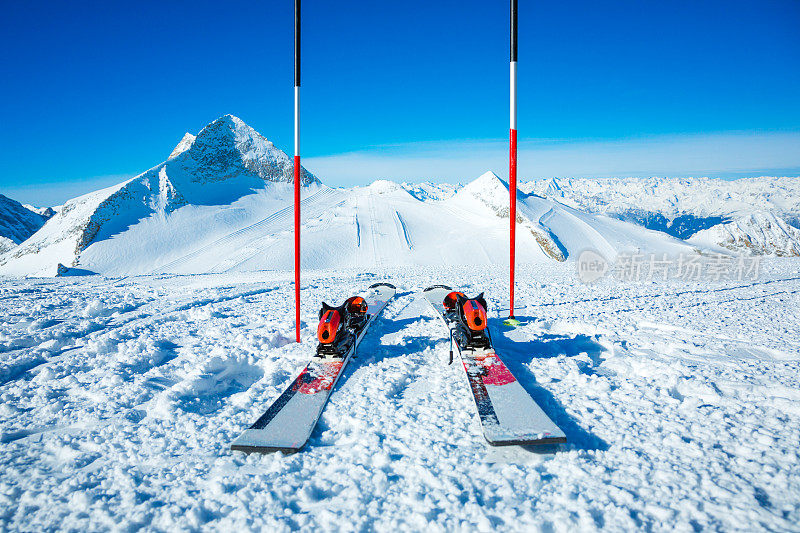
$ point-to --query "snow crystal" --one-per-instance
(119, 400)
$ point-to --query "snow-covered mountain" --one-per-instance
(18, 222)
(222, 202)
(149, 226)
(185, 143)
(228, 160)
(672, 197)
(431, 191)
(683, 207)
(46, 212)
(759, 233)
(710, 209)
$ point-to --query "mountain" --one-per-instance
(185, 143)
(364, 227)
(562, 231)
(678, 206)
(223, 201)
(228, 160)
(46, 212)
(759, 233)
(431, 191)
(17, 223)
(674, 196)
(384, 225)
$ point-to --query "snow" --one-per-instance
(119, 398)
(6, 244)
(700, 197)
(222, 202)
(683, 207)
(18, 222)
(57, 241)
(113, 232)
(758, 233)
(184, 144)
(227, 161)
(120, 393)
(46, 212)
(431, 191)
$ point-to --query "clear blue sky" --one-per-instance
(93, 92)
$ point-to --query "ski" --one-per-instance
(289, 421)
(508, 413)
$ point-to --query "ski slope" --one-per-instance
(119, 399)
(223, 202)
(377, 226)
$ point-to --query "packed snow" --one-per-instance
(120, 397)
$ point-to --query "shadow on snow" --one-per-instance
(516, 355)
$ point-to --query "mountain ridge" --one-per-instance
(224, 162)
(693, 209)
(18, 222)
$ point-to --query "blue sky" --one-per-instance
(406, 90)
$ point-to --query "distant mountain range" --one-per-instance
(748, 215)
(223, 201)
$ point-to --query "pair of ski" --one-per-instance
(507, 412)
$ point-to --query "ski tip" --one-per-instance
(432, 287)
(248, 449)
(382, 284)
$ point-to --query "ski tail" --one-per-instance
(289, 421)
(508, 414)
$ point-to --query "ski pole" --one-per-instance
(297, 167)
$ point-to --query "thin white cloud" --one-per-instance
(722, 155)
(48, 194)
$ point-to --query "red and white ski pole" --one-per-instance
(512, 159)
(297, 167)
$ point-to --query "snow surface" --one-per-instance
(119, 399)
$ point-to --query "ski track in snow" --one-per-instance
(119, 399)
